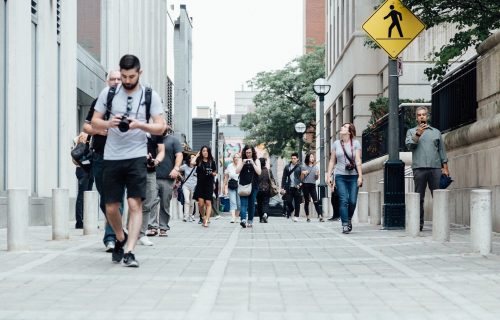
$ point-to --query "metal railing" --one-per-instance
(454, 101)
(375, 139)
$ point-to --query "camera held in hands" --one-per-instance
(349, 167)
(124, 123)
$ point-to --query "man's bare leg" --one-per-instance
(115, 219)
(135, 222)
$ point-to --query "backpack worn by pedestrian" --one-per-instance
(147, 100)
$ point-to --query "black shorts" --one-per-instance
(120, 174)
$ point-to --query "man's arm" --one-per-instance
(411, 140)
(157, 127)
(160, 155)
(177, 164)
(284, 177)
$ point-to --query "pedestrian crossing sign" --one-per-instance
(393, 27)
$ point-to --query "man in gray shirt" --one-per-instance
(125, 152)
(429, 159)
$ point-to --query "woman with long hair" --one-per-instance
(249, 170)
(206, 170)
(345, 158)
(309, 175)
(231, 186)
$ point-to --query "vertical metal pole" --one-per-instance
(394, 194)
(393, 111)
(322, 160)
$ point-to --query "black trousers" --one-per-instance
(293, 201)
(262, 203)
(424, 177)
(309, 190)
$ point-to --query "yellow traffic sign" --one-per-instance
(393, 27)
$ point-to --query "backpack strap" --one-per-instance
(147, 97)
(109, 102)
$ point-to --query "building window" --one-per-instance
(34, 11)
(58, 20)
(170, 102)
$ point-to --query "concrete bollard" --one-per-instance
(17, 219)
(362, 207)
(480, 221)
(412, 201)
(325, 207)
(374, 207)
(60, 217)
(441, 216)
(90, 212)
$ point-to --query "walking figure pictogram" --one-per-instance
(396, 16)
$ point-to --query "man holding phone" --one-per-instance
(429, 159)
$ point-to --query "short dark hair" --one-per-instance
(129, 61)
(294, 154)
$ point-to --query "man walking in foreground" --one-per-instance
(429, 159)
(125, 152)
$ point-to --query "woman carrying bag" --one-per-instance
(309, 175)
(345, 158)
(263, 194)
(249, 170)
(231, 186)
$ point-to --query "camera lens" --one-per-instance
(123, 125)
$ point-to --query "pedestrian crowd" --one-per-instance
(135, 151)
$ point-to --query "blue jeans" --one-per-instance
(248, 205)
(347, 188)
(109, 234)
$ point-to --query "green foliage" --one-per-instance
(474, 22)
(380, 107)
(285, 97)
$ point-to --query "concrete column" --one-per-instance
(374, 199)
(441, 216)
(480, 221)
(363, 207)
(412, 201)
(90, 212)
(60, 217)
(17, 219)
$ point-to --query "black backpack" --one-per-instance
(111, 95)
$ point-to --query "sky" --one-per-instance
(233, 40)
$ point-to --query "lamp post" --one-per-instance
(300, 128)
(321, 88)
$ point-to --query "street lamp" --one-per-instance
(300, 128)
(321, 88)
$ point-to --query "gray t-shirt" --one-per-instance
(310, 176)
(190, 183)
(133, 143)
(342, 159)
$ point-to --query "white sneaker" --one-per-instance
(110, 245)
(144, 240)
(295, 219)
(216, 217)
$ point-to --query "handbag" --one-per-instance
(82, 154)
(245, 190)
(274, 190)
(232, 184)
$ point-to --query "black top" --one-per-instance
(204, 173)
(98, 141)
(248, 174)
(153, 142)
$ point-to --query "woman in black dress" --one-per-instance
(206, 170)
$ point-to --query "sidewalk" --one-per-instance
(281, 270)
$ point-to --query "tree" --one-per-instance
(473, 19)
(285, 97)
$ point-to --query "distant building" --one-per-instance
(243, 101)
(314, 23)
(183, 47)
(203, 112)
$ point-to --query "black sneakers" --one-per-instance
(243, 223)
(118, 250)
(349, 225)
(345, 229)
(129, 260)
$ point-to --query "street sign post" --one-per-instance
(393, 27)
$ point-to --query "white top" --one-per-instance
(231, 171)
(133, 143)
